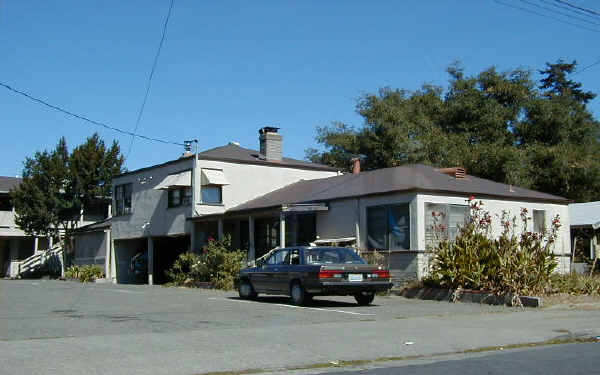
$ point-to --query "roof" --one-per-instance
(584, 214)
(97, 226)
(7, 183)
(415, 177)
(235, 153)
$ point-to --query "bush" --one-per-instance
(575, 284)
(216, 264)
(509, 264)
(374, 257)
(85, 274)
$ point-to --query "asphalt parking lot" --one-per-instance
(37, 309)
(56, 327)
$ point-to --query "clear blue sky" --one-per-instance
(230, 67)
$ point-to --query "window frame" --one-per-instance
(124, 199)
(388, 231)
(185, 197)
(220, 190)
(448, 234)
(537, 228)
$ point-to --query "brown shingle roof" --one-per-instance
(415, 177)
(235, 153)
(7, 183)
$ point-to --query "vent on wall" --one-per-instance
(456, 172)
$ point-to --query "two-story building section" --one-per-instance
(158, 210)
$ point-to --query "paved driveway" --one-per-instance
(65, 327)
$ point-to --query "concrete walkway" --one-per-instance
(59, 327)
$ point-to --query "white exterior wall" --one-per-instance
(149, 205)
(495, 207)
(8, 228)
(340, 219)
(249, 181)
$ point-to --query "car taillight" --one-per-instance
(330, 274)
(382, 274)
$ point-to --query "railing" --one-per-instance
(38, 260)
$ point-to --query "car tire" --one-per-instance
(246, 290)
(364, 298)
(298, 295)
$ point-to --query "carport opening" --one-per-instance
(166, 252)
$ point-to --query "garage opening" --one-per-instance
(166, 252)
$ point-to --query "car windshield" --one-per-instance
(332, 255)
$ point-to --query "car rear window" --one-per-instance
(334, 255)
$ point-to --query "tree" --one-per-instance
(498, 125)
(57, 185)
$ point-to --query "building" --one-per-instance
(263, 200)
(155, 208)
(15, 245)
(390, 210)
(585, 231)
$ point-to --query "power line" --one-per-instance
(586, 67)
(561, 13)
(546, 16)
(141, 111)
(84, 118)
(564, 7)
(578, 7)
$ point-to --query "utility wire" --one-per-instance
(586, 67)
(84, 118)
(578, 7)
(141, 111)
(564, 7)
(561, 13)
(546, 16)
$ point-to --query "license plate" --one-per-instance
(355, 277)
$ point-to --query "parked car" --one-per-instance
(304, 272)
(139, 267)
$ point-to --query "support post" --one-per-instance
(251, 249)
(107, 268)
(282, 229)
(113, 261)
(220, 229)
(36, 244)
(150, 260)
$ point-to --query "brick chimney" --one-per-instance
(271, 143)
(456, 172)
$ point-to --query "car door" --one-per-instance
(286, 266)
(265, 278)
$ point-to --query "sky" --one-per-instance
(228, 68)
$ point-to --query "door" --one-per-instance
(276, 269)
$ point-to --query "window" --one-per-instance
(443, 221)
(180, 197)
(539, 221)
(212, 194)
(123, 199)
(278, 258)
(388, 227)
(5, 204)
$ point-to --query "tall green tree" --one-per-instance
(504, 126)
(57, 185)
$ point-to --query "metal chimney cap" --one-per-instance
(268, 129)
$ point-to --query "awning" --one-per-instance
(182, 179)
(213, 177)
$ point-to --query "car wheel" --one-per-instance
(364, 298)
(297, 294)
(246, 290)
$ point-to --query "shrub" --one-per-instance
(509, 264)
(575, 284)
(374, 257)
(216, 264)
(85, 274)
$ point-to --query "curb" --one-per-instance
(473, 296)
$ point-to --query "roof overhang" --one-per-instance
(304, 207)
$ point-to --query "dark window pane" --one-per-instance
(539, 221)
(377, 228)
(211, 194)
(399, 227)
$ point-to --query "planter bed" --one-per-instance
(466, 295)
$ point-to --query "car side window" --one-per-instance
(277, 258)
(295, 257)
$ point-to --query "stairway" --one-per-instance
(52, 258)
